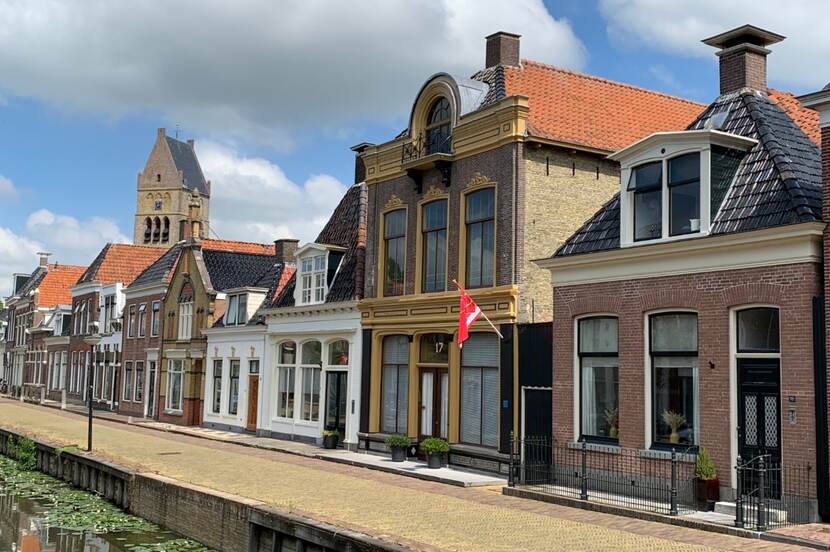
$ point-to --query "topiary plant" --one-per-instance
(433, 445)
(704, 468)
(397, 441)
(330, 433)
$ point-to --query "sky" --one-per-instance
(276, 92)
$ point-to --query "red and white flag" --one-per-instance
(468, 313)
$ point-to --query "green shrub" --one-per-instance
(704, 468)
(397, 441)
(329, 433)
(434, 445)
(24, 450)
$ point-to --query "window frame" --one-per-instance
(127, 385)
(313, 370)
(216, 387)
(286, 371)
(131, 321)
(155, 318)
(185, 316)
(141, 322)
(670, 186)
(309, 278)
(482, 402)
(441, 128)
(138, 386)
(464, 237)
(388, 288)
(578, 379)
(423, 247)
(399, 416)
(233, 386)
(171, 373)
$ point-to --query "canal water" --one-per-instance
(41, 513)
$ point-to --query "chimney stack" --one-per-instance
(285, 249)
(43, 259)
(359, 163)
(190, 143)
(502, 49)
(743, 57)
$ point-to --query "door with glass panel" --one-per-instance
(151, 388)
(336, 387)
(433, 361)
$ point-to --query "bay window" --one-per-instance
(175, 377)
(311, 370)
(674, 360)
(480, 390)
(684, 194)
(217, 386)
(434, 231)
(394, 240)
(395, 383)
(598, 378)
(479, 218)
(233, 388)
(285, 379)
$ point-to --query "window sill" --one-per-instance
(661, 453)
(595, 447)
(667, 239)
(174, 412)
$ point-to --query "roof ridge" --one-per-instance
(606, 80)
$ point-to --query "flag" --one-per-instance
(468, 313)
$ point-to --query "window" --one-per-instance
(285, 393)
(142, 320)
(339, 353)
(131, 322)
(312, 368)
(185, 320)
(233, 388)
(395, 394)
(128, 381)
(725, 163)
(313, 279)
(684, 194)
(480, 390)
(237, 313)
(154, 319)
(647, 184)
(673, 344)
(434, 348)
(480, 221)
(434, 235)
(139, 381)
(217, 386)
(394, 237)
(253, 367)
(148, 226)
(598, 377)
(758, 330)
(109, 312)
(63, 370)
(175, 375)
(438, 127)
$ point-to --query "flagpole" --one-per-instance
(495, 329)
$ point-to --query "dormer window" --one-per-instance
(313, 279)
(237, 313)
(646, 184)
(684, 194)
(438, 127)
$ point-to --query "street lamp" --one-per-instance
(93, 339)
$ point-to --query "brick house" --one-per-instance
(98, 296)
(684, 305)
(35, 299)
(489, 171)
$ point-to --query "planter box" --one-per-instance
(398, 454)
(707, 493)
(330, 441)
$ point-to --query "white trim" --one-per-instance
(658, 139)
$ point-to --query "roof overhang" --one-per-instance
(820, 101)
(718, 137)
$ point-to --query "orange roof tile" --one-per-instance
(287, 272)
(54, 289)
(121, 262)
(581, 109)
(238, 246)
(806, 119)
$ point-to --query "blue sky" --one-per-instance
(274, 113)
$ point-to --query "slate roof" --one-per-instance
(160, 271)
(274, 280)
(185, 158)
(778, 181)
(120, 262)
(346, 228)
(229, 270)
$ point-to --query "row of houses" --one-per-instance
(654, 266)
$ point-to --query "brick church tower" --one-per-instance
(171, 189)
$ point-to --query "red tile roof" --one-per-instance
(581, 109)
(121, 262)
(286, 274)
(806, 119)
(54, 288)
(238, 246)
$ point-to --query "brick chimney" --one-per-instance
(285, 249)
(743, 57)
(502, 49)
(359, 163)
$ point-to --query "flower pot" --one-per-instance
(674, 437)
(435, 460)
(330, 441)
(707, 493)
(398, 454)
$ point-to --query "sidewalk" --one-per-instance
(421, 515)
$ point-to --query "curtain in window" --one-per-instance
(233, 403)
(217, 386)
(435, 245)
(395, 377)
(674, 332)
(674, 377)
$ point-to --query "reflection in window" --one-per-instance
(758, 330)
(394, 234)
(233, 391)
(435, 348)
(647, 184)
(438, 127)
(339, 353)
(599, 369)
(480, 222)
(285, 376)
(684, 194)
(435, 245)
(311, 370)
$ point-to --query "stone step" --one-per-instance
(773, 516)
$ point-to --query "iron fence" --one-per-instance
(425, 144)
(662, 483)
(771, 494)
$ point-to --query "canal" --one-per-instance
(41, 513)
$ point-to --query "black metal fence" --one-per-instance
(613, 475)
(771, 494)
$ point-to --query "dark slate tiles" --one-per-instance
(185, 159)
(160, 270)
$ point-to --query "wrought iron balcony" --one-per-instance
(430, 150)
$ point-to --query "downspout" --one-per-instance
(820, 383)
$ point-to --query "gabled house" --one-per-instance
(684, 306)
(489, 172)
(98, 298)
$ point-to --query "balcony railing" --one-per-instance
(426, 144)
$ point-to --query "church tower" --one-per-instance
(171, 188)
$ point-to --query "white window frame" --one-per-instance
(302, 369)
(131, 312)
(142, 320)
(185, 321)
(288, 368)
(155, 318)
(576, 388)
(312, 284)
(170, 374)
(238, 309)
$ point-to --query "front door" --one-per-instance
(151, 389)
(336, 403)
(253, 401)
(434, 402)
(759, 416)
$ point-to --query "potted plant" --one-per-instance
(707, 486)
(330, 438)
(435, 450)
(611, 417)
(674, 420)
(398, 444)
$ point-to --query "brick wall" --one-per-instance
(711, 294)
(135, 348)
(742, 69)
(76, 341)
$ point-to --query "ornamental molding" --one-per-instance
(478, 180)
(393, 202)
(434, 193)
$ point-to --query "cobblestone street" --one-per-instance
(419, 514)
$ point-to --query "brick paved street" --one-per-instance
(419, 514)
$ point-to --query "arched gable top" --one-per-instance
(464, 96)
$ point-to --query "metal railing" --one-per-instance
(771, 494)
(425, 144)
(604, 474)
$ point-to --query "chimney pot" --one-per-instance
(502, 49)
(285, 249)
(43, 259)
(743, 57)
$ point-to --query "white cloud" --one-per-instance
(7, 188)
(17, 254)
(252, 199)
(72, 237)
(802, 60)
(257, 69)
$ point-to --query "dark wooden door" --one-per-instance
(336, 403)
(759, 419)
(253, 401)
(434, 403)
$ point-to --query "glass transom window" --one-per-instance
(758, 330)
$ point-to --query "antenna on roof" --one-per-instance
(177, 131)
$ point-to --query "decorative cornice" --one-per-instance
(393, 202)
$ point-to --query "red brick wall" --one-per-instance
(135, 348)
(76, 342)
(711, 294)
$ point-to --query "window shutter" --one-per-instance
(481, 349)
